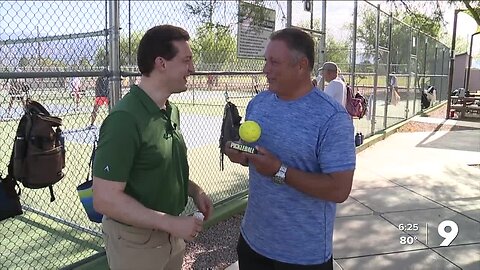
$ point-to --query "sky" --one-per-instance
(46, 18)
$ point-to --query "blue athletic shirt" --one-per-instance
(313, 133)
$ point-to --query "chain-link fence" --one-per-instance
(372, 48)
(54, 52)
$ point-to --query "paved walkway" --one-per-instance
(413, 181)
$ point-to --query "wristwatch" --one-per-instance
(279, 177)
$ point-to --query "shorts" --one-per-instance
(101, 101)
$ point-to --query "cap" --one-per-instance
(329, 66)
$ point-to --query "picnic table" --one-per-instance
(466, 104)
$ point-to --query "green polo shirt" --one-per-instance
(142, 145)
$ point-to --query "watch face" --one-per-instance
(279, 177)
(278, 180)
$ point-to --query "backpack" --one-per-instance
(9, 198)
(230, 126)
(356, 105)
(38, 154)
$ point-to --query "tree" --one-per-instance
(461, 43)
(472, 8)
(401, 38)
(336, 50)
(423, 22)
(213, 47)
(127, 55)
(83, 64)
(205, 10)
(23, 62)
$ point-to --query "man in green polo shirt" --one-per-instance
(141, 178)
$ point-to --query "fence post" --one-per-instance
(416, 81)
(354, 49)
(114, 63)
(375, 78)
(131, 79)
(409, 71)
(452, 63)
(440, 89)
(389, 70)
(289, 13)
(424, 63)
(321, 57)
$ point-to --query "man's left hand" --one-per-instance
(265, 162)
(204, 204)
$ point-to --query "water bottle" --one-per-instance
(358, 139)
(61, 139)
(19, 156)
(361, 138)
(20, 144)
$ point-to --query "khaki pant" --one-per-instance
(134, 248)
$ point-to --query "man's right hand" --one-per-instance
(185, 227)
(235, 155)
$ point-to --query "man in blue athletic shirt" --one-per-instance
(304, 165)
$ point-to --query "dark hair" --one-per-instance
(157, 42)
(297, 40)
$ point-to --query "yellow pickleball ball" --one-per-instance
(250, 131)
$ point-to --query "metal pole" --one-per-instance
(289, 13)
(470, 61)
(425, 64)
(106, 33)
(115, 87)
(452, 62)
(389, 70)
(130, 39)
(375, 78)
(435, 79)
(321, 57)
(311, 14)
(416, 81)
(409, 70)
(354, 49)
(440, 90)
(62, 221)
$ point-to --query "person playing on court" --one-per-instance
(392, 86)
(304, 165)
(101, 97)
(17, 90)
(75, 85)
(141, 175)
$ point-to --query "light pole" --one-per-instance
(470, 60)
(452, 62)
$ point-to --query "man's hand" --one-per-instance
(185, 227)
(235, 156)
(204, 204)
(265, 162)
